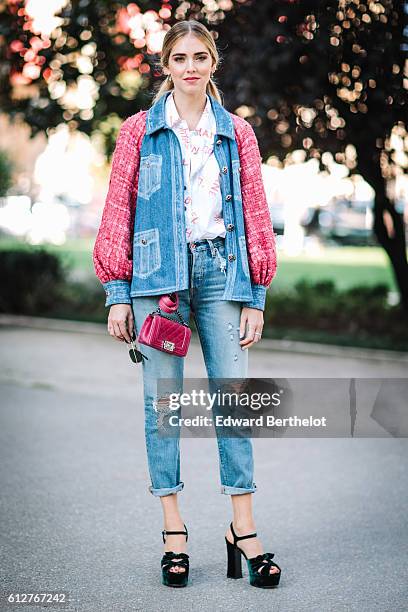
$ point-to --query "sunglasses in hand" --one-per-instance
(134, 353)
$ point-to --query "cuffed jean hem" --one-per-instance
(237, 490)
(169, 491)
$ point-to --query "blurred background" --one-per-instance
(324, 84)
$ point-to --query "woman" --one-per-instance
(186, 212)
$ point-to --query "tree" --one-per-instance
(92, 66)
(319, 76)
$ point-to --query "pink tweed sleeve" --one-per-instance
(112, 253)
(260, 237)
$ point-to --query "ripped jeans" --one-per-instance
(217, 323)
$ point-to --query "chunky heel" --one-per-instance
(258, 567)
(234, 566)
(171, 559)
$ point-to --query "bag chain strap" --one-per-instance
(158, 311)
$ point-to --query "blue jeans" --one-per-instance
(217, 323)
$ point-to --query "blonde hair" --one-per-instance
(176, 33)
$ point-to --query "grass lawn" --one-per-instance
(346, 266)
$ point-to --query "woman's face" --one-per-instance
(190, 65)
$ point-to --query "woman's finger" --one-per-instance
(131, 326)
(242, 325)
(258, 334)
(117, 331)
(123, 326)
(249, 337)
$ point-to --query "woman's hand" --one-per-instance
(120, 322)
(252, 322)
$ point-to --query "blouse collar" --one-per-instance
(174, 120)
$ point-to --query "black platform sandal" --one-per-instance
(171, 559)
(263, 578)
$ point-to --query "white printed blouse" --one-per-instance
(202, 194)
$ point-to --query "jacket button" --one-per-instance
(225, 169)
(228, 197)
(143, 241)
(231, 257)
(219, 141)
(239, 168)
(230, 227)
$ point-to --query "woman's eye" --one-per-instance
(201, 59)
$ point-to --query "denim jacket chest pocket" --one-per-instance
(146, 252)
(149, 175)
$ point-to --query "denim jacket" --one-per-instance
(159, 253)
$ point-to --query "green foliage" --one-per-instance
(82, 301)
(31, 281)
(344, 65)
(36, 282)
(361, 314)
(6, 171)
(89, 26)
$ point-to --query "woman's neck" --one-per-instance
(189, 107)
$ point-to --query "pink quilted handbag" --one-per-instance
(164, 333)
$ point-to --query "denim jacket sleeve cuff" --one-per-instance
(258, 297)
(117, 292)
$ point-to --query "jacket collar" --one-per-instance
(156, 117)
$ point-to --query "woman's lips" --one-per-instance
(191, 79)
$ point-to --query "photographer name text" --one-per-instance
(259, 421)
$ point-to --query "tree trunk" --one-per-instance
(395, 243)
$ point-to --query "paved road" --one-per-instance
(76, 514)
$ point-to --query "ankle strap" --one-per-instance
(244, 537)
(165, 532)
